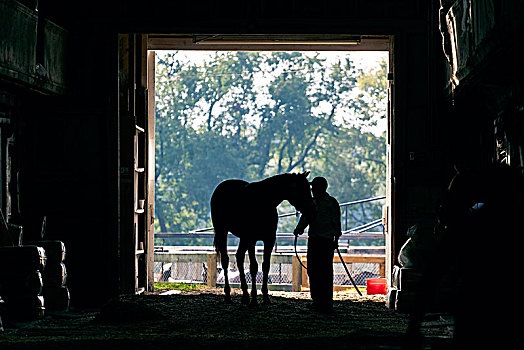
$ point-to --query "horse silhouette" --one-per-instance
(249, 211)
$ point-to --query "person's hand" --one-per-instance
(335, 242)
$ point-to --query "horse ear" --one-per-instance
(306, 173)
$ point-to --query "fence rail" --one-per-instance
(344, 205)
(284, 241)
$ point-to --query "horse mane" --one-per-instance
(278, 183)
(279, 178)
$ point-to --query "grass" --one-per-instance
(185, 287)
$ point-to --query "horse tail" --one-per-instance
(220, 238)
(220, 241)
(224, 197)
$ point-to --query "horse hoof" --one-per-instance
(245, 299)
(266, 301)
(228, 300)
(253, 303)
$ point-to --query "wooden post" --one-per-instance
(382, 269)
(296, 279)
(305, 278)
(212, 270)
(150, 171)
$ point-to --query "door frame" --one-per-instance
(137, 102)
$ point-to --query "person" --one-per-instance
(324, 232)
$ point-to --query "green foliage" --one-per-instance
(251, 115)
(185, 287)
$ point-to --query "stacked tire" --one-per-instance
(406, 284)
(55, 291)
(21, 284)
(404, 288)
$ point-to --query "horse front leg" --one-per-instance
(266, 264)
(253, 269)
(241, 255)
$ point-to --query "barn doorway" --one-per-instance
(232, 44)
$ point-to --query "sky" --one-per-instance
(362, 59)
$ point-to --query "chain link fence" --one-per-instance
(186, 268)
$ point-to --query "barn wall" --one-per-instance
(58, 97)
(483, 98)
(59, 143)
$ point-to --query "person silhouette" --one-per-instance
(323, 234)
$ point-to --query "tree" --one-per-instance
(214, 121)
(200, 126)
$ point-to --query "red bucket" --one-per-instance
(376, 286)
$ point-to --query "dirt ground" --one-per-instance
(200, 319)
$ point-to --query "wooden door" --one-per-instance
(135, 210)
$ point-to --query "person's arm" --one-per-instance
(335, 217)
(335, 221)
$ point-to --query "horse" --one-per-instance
(249, 211)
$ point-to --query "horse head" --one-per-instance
(299, 194)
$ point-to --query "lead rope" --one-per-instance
(341, 260)
(296, 253)
(347, 271)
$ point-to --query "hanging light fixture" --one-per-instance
(276, 39)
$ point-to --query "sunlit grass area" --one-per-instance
(185, 287)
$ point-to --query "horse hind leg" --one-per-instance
(220, 243)
(266, 264)
(253, 269)
(224, 260)
(240, 255)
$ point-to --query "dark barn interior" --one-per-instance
(77, 132)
